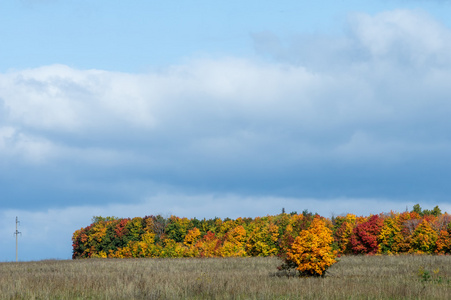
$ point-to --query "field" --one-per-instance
(354, 277)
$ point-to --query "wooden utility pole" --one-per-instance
(17, 235)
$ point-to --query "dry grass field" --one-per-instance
(354, 277)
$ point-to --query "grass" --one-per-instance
(354, 277)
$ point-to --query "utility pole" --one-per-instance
(17, 235)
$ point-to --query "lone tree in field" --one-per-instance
(311, 252)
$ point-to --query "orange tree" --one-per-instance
(209, 245)
(311, 252)
(443, 244)
(443, 226)
(290, 225)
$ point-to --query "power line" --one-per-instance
(17, 232)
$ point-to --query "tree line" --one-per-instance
(416, 231)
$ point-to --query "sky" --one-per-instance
(218, 109)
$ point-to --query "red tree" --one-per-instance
(364, 236)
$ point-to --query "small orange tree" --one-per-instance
(311, 252)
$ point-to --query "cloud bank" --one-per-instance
(363, 115)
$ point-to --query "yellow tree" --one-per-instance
(234, 243)
(423, 239)
(190, 241)
(262, 238)
(311, 252)
(390, 237)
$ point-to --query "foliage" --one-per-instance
(423, 239)
(417, 231)
(343, 227)
(390, 236)
(262, 239)
(443, 243)
(434, 212)
(365, 236)
(432, 277)
(234, 242)
(311, 252)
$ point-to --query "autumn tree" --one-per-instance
(365, 236)
(423, 239)
(343, 228)
(311, 252)
(391, 238)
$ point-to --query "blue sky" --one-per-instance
(227, 109)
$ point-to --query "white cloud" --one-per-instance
(404, 36)
(205, 100)
(17, 145)
(378, 97)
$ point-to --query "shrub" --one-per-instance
(311, 252)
